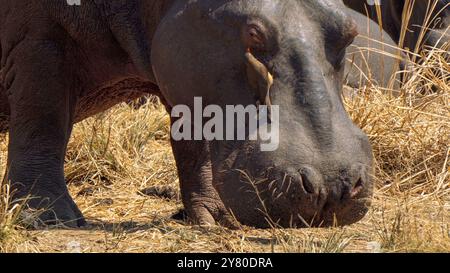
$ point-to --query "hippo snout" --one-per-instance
(302, 188)
(320, 197)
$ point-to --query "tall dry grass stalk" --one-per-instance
(13, 221)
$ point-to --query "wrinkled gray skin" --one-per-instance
(391, 10)
(373, 57)
(4, 111)
(61, 64)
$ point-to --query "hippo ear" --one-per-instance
(259, 78)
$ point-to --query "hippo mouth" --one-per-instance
(351, 212)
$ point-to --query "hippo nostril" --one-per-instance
(357, 188)
(351, 191)
(307, 185)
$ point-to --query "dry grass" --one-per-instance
(13, 221)
(115, 155)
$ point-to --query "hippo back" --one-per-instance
(373, 57)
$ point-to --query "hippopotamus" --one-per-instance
(62, 63)
(373, 57)
(428, 23)
(4, 111)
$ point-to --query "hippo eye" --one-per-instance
(254, 37)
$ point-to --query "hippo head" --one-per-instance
(320, 174)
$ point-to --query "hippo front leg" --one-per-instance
(201, 201)
(42, 107)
